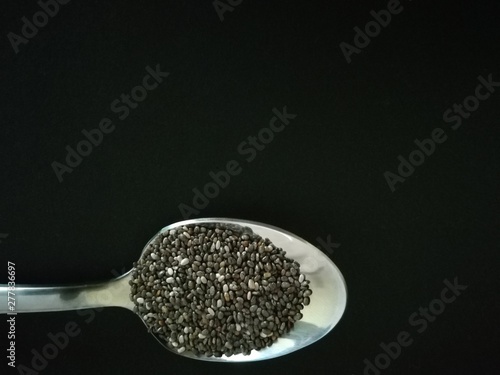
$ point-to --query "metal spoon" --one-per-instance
(327, 304)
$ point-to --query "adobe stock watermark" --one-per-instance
(57, 342)
(249, 149)
(372, 29)
(328, 244)
(222, 7)
(426, 147)
(30, 28)
(121, 107)
(420, 320)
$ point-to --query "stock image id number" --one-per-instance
(11, 286)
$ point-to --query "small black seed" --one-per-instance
(217, 291)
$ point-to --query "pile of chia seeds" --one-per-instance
(217, 290)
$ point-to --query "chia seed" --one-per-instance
(217, 291)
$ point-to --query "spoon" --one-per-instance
(326, 306)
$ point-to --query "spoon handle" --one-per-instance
(33, 298)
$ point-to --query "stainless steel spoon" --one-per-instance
(327, 305)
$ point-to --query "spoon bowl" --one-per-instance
(327, 304)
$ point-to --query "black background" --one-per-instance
(322, 176)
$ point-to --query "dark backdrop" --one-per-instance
(322, 177)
